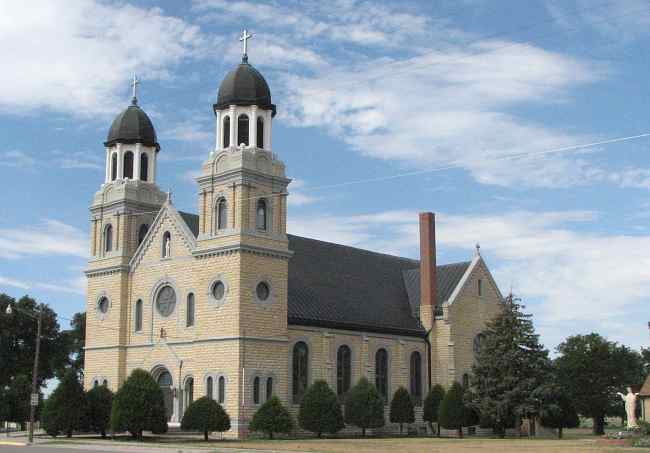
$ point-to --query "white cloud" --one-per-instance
(297, 196)
(51, 237)
(7, 281)
(76, 56)
(15, 158)
(76, 285)
(189, 131)
(572, 280)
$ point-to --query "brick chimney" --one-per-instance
(428, 280)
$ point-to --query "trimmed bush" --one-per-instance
(99, 400)
(364, 407)
(401, 408)
(138, 406)
(205, 415)
(272, 417)
(432, 405)
(320, 411)
(452, 412)
(65, 409)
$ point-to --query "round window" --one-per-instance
(262, 291)
(103, 304)
(218, 290)
(166, 301)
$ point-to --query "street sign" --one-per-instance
(34, 401)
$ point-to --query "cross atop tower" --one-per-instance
(245, 36)
(134, 85)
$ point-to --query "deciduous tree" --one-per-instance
(432, 405)
(205, 415)
(401, 408)
(272, 417)
(320, 411)
(364, 407)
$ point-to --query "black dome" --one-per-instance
(244, 85)
(132, 126)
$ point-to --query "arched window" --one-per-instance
(167, 245)
(209, 384)
(465, 380)
(222, 390)
(189, 391)
(381, 373)
(269, 388)
(261, 216)
(300, 370)
(260, 132)
(416, 377)
(108, 238)
(128, 165)
(114, 167)
(226, 131)
(256, 390)
(477, 343)
(189, 321)
(343, 370)
(105, 383)
(95, 383)
(142, 232)
(242, 130)
(222, 214)
(138, 315)
(144, 167)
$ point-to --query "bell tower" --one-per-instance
(120, 214)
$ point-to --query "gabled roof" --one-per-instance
(338, 286)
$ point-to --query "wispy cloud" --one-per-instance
(51, 237)
(6, 281)
(297, 197)
(15, 158)
(71, 286)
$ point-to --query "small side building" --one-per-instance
(644, 395)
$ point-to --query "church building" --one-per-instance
(225, 303)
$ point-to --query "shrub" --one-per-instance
(401, 408)
(139, 405)
(432, 405)
(272, 417)
(99, 400)
(452, 413)
(320, 411)
(205, 415)
(65, 409)
(364, 407)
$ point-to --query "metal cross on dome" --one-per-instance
(135, 84)
(245, 36)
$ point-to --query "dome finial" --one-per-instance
(134, 85)
(245, 36)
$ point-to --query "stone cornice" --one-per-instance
(195, 341)
(90, 273)
(235, 248)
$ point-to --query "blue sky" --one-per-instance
(364, 90)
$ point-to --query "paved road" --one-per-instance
(41, 449)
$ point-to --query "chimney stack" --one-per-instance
(428, 279)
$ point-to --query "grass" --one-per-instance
(575, 441)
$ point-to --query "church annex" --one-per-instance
(225, 303)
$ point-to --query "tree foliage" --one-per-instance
(272, 417)
(432, 405)
(510, 365)
(205, 415)
(99, 400)
(592, 369)
(320, 411)
(75, 340)
(65, 409)
(139, 405)
(364, 407)
(451, 413)
(401, 408)
(556, 408)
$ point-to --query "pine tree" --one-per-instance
(452, 410)
(65, 408)
(99, 399)
(431, 406)
(320, 411)
(272, 417)
(205, 415)
(364, 407)
(510, 365)
(401, 408)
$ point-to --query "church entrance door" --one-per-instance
(165, 383)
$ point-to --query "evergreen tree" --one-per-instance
(401, 408)
(510, 365)
(139, 405)
(99, 400)
(452, 410)
(364, 407)
(432, 405)
(272, 417)
(592, 369)
(320, 411)
(556, 408)
(205, 415)
(65, 409)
